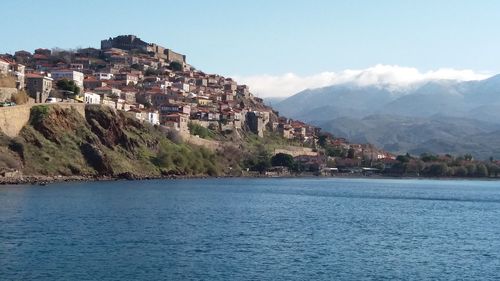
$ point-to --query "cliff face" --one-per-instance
(60, 141)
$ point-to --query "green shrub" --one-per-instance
(38, 113)
(202, 132)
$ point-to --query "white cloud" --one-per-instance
(391, 75)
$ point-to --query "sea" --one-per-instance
(252, 229)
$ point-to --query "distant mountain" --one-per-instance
(336, 101)
(439, 116)
(271, 101)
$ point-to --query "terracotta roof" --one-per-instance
(7, 60)
(40, 57)
(33, 75)
(104, 88)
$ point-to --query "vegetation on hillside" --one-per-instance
(202, 132)
(68, 85)
(432, 165)
(20, 97)
(106, 143)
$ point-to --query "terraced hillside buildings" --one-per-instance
(154, 83)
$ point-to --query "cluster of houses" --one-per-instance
(152, 82)
(158, 86)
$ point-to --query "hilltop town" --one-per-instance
(157, 85)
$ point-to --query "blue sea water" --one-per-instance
(251, 229)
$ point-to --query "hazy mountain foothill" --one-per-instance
(440, 116)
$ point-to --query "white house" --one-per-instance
(69, 75)
(120, 103)
(139, 115)
(103, 76)
(183, 86)
(92, 98)
(4, 66)
(153, 117)
(109, 103)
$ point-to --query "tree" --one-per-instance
(493, 169)
(481, 170)
(282, 159)
(403, 158)
(136, 66)
(437, 170)
(351, 153)
(263, 163)
(322, 140)
(335, 152)
(68, 85)
(428, 157)
(414, 166)
(471, 169)
(460, 171)
(258, 160)
(20, 97)
(153, 72)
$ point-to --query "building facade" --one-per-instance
(38, 87)
(76, 76)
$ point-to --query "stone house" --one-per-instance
(203, 101)
(255, 123)
(107, 91)
(127, 78)
(38, 87)
(129, 95)
(92, 83)
(16, 70)
(176, 121)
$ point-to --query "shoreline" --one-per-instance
(45, 180)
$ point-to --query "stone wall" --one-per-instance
(173, 56)
(295, 151)
(6, 93)
(14, 118)
(209, 144)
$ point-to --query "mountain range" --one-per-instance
(436, 116)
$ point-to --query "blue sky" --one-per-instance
(249, 38)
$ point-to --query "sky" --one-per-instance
(270, 44)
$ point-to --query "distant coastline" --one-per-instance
(45, 180)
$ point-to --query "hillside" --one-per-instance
(148, 113)
(402, 134)
(104, 143)
(439, 116)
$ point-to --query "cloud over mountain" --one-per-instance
(389, 75)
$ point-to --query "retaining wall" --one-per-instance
(14, 118)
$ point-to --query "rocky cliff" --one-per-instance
(104, 142)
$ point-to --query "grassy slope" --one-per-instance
(62, 142)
